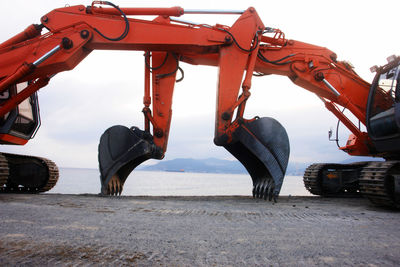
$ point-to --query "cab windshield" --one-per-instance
(386, 93)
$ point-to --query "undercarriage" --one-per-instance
(26, 174)
(379, 181)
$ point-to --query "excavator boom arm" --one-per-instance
(316, 69)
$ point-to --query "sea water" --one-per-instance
(150, 183)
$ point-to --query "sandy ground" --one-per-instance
(53, 229)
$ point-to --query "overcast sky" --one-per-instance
(107, 87)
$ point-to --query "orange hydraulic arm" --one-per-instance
(239, 51)
(311, 67)
(317, 70)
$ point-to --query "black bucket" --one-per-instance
(120, 151)
(262, 146)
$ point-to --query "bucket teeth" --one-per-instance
(258, 190)
(114, 186)
(265, 189)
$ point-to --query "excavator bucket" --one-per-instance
(262, 146)
(120, 151)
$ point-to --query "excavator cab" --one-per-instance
(383, 108)
(21, 123)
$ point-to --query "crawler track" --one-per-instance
(48, 176)
(334, 180)
(53, 175)
(377, 185)
(4, 172)
(312, 180)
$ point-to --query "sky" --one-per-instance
(107, 87)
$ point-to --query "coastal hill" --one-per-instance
(209, 165)
(212, 165)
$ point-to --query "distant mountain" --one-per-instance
(359, 158)
(296, 168)
(213, 165)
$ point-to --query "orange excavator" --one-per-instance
(245, 50)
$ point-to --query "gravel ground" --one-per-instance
(82, 230)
